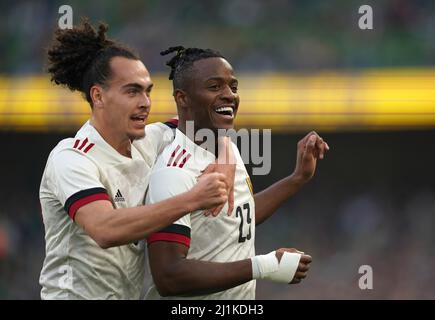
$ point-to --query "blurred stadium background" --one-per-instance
(302, 65)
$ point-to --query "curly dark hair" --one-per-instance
(79, 58)
(181, 64)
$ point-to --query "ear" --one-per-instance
(97, 96)
(181, 98)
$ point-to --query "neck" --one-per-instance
(121, 144)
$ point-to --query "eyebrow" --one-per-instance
(137, 86)
(221, 78)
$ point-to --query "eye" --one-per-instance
(132, 92)
(234, 89)
(214, 87)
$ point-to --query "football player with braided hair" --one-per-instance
(200, 258)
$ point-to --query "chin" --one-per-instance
(222, 123)
(136, 135)
(225, 126)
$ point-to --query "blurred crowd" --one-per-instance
(372, 202)
(276, 35)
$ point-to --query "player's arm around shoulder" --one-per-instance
(111, 227)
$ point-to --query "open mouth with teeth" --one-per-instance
(139, 118)
(227, 112)
(138, 121)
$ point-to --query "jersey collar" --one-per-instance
(88, 130)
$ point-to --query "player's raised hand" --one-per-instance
(309, 150)
(303, 267)
(210, 191)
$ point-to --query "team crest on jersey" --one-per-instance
(119, 197)
(249, 183)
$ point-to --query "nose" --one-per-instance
(228, 94)
(146, 101)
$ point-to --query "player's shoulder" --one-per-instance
(172, 175)
(169, 180)
(65, 155)
(79, 149)
(162, 132)
(174, 160)
(83, 142)
(157, 136)
(64, 162)
(177, 155)
(75, 147)
(166, 128)
(176, 163)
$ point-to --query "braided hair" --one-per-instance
(80, 58)
(181, 64)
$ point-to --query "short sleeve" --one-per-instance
(166, 183)
(77, 181)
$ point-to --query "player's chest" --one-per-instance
(236, 229)
(126, 183)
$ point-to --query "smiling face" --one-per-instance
(125, 100)
(211, 99)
